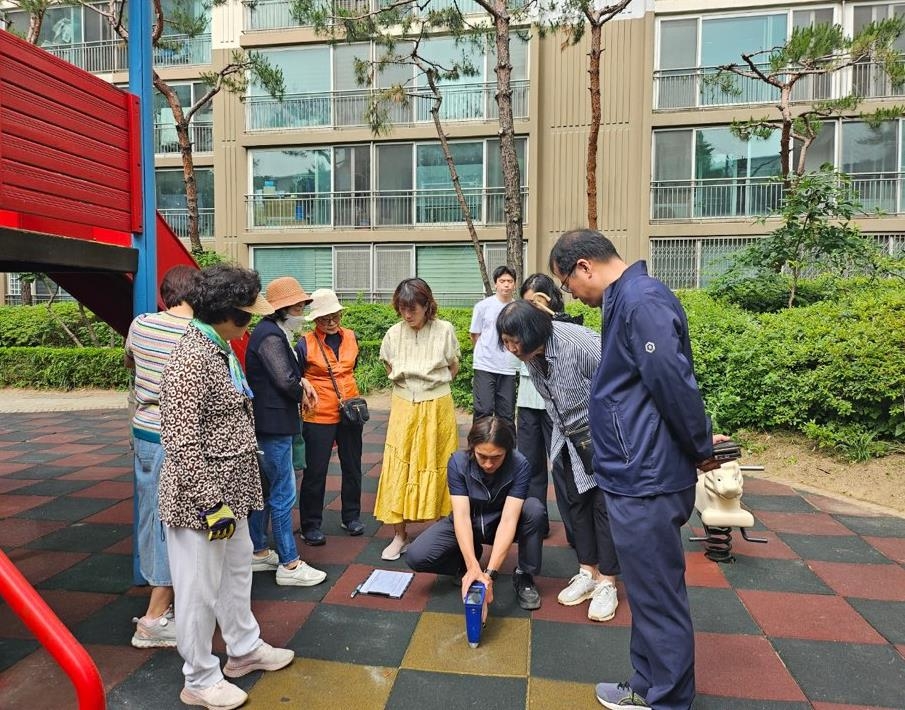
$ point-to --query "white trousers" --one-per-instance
(212, 585)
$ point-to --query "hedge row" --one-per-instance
(834, 370)
(39, 326)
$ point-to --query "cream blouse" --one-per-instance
(419, 360)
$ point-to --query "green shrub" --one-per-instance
(33, 326)
(769, 292)
(63, 368)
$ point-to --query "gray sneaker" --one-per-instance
(268, 563)
(158, 633)
(603, 603)
(619, 696)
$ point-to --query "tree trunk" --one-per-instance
(25, 295)
(512, 178)
(188, 163)
(594, 133)
(785, 137)
(35, 21)
(454, 177)
(54, 289)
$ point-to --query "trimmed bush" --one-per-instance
(34, 326)
(63, 368)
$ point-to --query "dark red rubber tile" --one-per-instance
(88, 459)
(340, 549)
(117, 513)
(817, 617)
(39, 565)
(836, 506)
(892, 547)
(72, 608)
(843, 706)
(279, 621)
(765, 487)
(802, 523)
(60, 437)
(739, 667)
(7, 468)
(12, 505)
(117, 490)
(15, 532)
(884, 582)
(71, 449)
(701, 572)
(774, 548)
(11, 484)
(367, 501)
(96, 473)
(414, 599)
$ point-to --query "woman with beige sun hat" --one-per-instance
(327, 357)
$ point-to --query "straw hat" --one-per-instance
(260, 307)
(323, 303)
(286, 291)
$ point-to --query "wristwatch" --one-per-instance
(492, 573)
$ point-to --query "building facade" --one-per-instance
(302, 186)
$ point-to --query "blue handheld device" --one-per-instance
(474, 610)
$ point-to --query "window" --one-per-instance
(312, 267)
(171, 200)
(291, 186)
(200, 128)
(306, 102)
(873, 158)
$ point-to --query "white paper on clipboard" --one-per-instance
(387, 583)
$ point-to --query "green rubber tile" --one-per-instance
(774, 576)
(99, 573)
(833, 548)
(719, 611)
(595, 652)
(70, 509)
(83, 537)
(456, 692)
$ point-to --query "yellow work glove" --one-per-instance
(221, 522)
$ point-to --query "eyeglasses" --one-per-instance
(564, 286)
(333, 318)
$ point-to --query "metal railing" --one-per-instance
(167, 141)
(275, 14)
(678, 200)
(463, 102)
(374, 210)
(693, 262)
(179, 222)
(871, 82)
(688, 88)
(112, 55)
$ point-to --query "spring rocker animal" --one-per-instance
(718, 497)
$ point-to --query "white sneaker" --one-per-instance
(220, 696)
(264, 658)
(155, 633)
(268, 563)
(603, 603)
(394, 550)
(301, 576)
(581, 587)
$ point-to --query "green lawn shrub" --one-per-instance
(63, 368)
(37, 326)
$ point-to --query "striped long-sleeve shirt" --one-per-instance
(151, 339)
(572, 354)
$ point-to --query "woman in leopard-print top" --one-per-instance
(208, 484)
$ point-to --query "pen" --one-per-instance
(355, 591)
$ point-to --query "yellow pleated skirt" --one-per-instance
(421, 436)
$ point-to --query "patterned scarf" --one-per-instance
(235, 369)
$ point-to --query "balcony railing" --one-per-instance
(375, 210)
(275, 14)
(678, 200)
(112, 55)
(870, 81)
(166, 141)
(179, 222)
(687, 88)
(464, 102)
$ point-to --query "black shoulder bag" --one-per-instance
(351, 411)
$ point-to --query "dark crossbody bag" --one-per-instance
(579, 435)
(353, 410)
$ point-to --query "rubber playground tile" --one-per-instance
(367, 502)
(71, 607)
(9, 485)
(82, 537)
(51, 487)
(13, 650)
(87, 459)
(713, 702)
(159, 678)
(456, 692)
(552, 610)
(833, 548)
(99, 573)
(815, 617)
(39, 565)
(66, 508)
(439, 644)
(340, 550)
(264, 585)
(116, 490)
(604, 654)
(98, 473)
(7, 468)
(765, 487)
(845, 672)
(41, 472)
(837, 506)
(544, 694)
(20, 505)
(775, 575)
(111, 624)
(15, 532)
(348, 634)
(773, 548)
(888, 618)
(414, 599)
(324, 685)
(892, 547)
(719, 611)
(279, 621)
(120, 512)
(813, 523)
(43, 456)
(846, 706)
(883, 582)
(734, 666)
(559, 562)
(877, 526)
(701, 572)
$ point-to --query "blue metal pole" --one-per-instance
(144, 295)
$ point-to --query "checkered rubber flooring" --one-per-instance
(813, 619)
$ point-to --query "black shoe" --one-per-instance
(354, 527)
(315, 538)
(525, 591)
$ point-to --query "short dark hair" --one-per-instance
(415, 291)
(580, 244)
(541, 283)
(492, 430)
(527, 324)
(221, 289)
(501, 270)
(177, 285)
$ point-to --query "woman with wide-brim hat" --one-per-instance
(327, 356)
(279, 388)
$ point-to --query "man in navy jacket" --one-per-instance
(650, 434)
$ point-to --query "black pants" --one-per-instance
(319, 440)
(493, 394)
(437, 550)
(590, 523)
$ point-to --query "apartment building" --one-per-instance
(302, 186)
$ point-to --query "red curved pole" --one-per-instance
(51, 633)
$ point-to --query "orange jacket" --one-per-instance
(327, 411)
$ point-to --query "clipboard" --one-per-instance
(385, 583)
